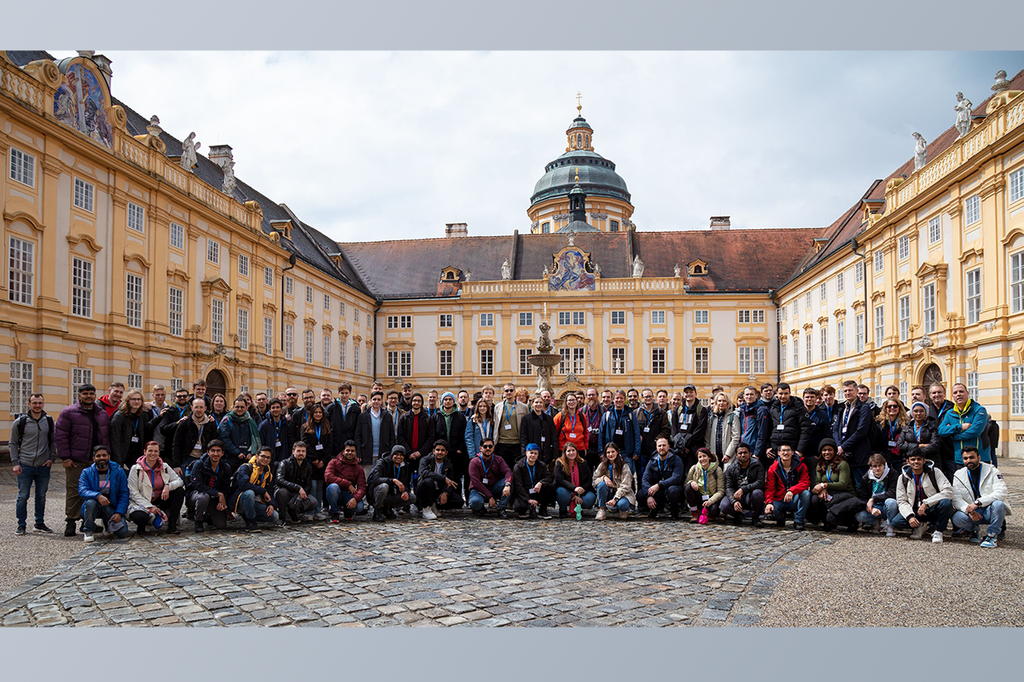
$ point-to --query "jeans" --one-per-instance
(867, 518)
(754, 501)
(604, 493)
(938, 515)
(993, 515)
(91, 510)
(337, 498)
(798, 506)
(316, 490)
(40, 476)
(564, 496)
(204, 507)
(255, 510)
(477, 501)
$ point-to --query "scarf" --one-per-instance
(156, 477)
(254, 434)
(260, 476)
(878, 484)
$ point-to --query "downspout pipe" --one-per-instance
(375, 338)
(778, 337)
(867, 318)
(291, 265)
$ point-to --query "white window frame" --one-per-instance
(858, 272)
(823, 292)
(487, 362)
(268, 276)
(81, 286)
(327, 350)
(972, 290)
(701, 360)
(341, 309)
(134, 300)
(760, 362)
(859, 332)
(135, 382)
(744, 361)
(700, 317)
(929, 312)
(618, 360)
(243, 265)
(841, 338)
(823, 333)
(934, 230)
(658, 317)
(21, 377)
(840, 283)
(782, 356)
(659, 365)
(445, 365)
(243, 328)
(796, 352)
(809, 348)
(525, 368)
(1016, 276)
(327, 302)
(526, 319)
(176, 311)
(445, 321)
(341, 354)
(135, 217)
(879, 257)
(903, 247)
(22, 167)
(971, 381)
(177, 236)
(879, 326)
(213, 251)
(289, 286)
(309, 294)
(1016, 185)
(487, 320)
(1017, 390)
(972, 210)
(618, 318)
(904, 315)
(79, 377)
(21, 279)
(757, 316)
(177, 384)
(355, 357)
(808, 301)
(743, 317)
(289, 340)
(579, 318)
(217, 312)
(309, 347)
(84, 195)
(268, 334)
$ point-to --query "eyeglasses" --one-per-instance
(488, 446)
(892, 407)
(508, 390)
(291, 395)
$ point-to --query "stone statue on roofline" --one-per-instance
(188, 152)
(547, 273)
(1001, 82)
(963, 115)
(920, 152)
(506, 270)
(228, 186)
(638, 266)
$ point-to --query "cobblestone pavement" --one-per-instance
(455, 571)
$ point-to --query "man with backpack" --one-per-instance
(32, 453)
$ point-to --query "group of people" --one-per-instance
(301, 457)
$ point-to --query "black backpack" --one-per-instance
(19, 425)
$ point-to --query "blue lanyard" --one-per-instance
(317, 428)
(706, 481)
(828, 474)
(530, 470)
(136, 428)
(917, 433)
(509, 413)
(659, 465)
(782, 412)
(572, 425)
(397, 471)
(828, 411)
(893, 432)
(483, 464)
(976, 485)
(782, 472)
(181, 411)
(618, 417)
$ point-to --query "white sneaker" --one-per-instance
(602, 514)
(890, 532)
(429, 514)
(89, 537)
(101, 525)
(917, 533)
(937, 536)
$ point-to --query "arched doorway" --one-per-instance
(932, 375)
(216, 382)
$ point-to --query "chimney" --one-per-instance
(220, 154)
(456, 230)
(104, 66)
(720, 222)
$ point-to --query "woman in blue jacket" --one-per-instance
(478, 426)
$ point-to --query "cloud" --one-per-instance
(395, 144)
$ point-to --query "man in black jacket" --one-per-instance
(344, 417)
(416, 431)
(693, 425)
(744, 487)
(450, 425)
(165, 422)
(375, 420)
(437, 488)
(294, 485)
(537, 427)
(662, 481)
(653, 425)
(390, 484)
(532, 488)
(254, 491)
(277, 432)
(210, 482)
(299, 415)
(192, 436)
(787, 423)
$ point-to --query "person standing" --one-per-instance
(752, 416)
(723, 434)
(479, 427)
(693, 426)
(571, 425)
(112, 400)
(619, 426)
(129, 430)
(158, 403)
(508, 416)
(652, 424)
(787, 423)
(77, 432)
(320, 449)
(373, 432)
(415, 432)
(538, 427)
(819, 418)
(192, 435)
(450, 426)
(240, 435)
(965, 424)
(166, 422)
(891, 423)
(938, 405)
(276, 432)
(344, 416)
(851, 432)
(33, 452)
(592, 412)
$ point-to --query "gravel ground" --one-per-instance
(28, 555)
(874, 581)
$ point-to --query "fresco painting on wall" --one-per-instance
(573, 271)
(79, 104)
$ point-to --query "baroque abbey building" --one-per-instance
(130, 257)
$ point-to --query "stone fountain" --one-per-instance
(544, 360)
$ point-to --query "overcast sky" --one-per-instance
(375, 145)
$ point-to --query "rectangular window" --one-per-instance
(563, 318)
(859, 332)
(782, 357)
(486, 319)
(1017, 390)
(21, 386)
(133, 301)
(309, 345)
(757, 316)
(566, 360)
(84, 195)
(809, 346)
(341, 310)
(525, 368)
(23, 168)
(928, 308)
(618, 360)
(1017, 282)
(212, 251)
(743, 317)
(177, 236)
(973, 296)
(658, 360)
(135, 382)
(613, 225)
(268, 335)
(744, 360)
(445, 321)
(759, 361)
(79, 377)
(309, 294)
(972, 210)
(289, 340)
(858, 272)
(700, 317)
(81, 287)
(796, 352)
(807, 302)
(268, 276)
(972, 385)
(618, 317)
(177, 384)
(572, 360)
(327, 349)
(823, 292)
(545, 228)
(243, 328)
(21, 264)
(701, 359)
(579, 318)
(217, 321)
(579, 361)
(327, 302)
(904, 247)
(657, 317)
(904, 318)
(176, 311)
(1016, 185)
(341, 354)
(444, 363)
(879, 325)
(824, 342)
(289, 286)
(879, 261)
(392, 363)
(796, 309)
(841, 338)
(840, 283)
(487, 362)
(392, 321)
(355, 317)
(355, 358)
(136, 217)
(399, 321)
(934, 230)
(525, 319)
(243, 265)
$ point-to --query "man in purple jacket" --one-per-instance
(79, 428)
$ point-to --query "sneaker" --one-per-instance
(20, 531)
(917, 533)
(378, 515)
(319, 516)
(937, 536)
(69, 529)
(975, 537)
(602, 514)
(389, 513)
(990, 541)
(797, 525)
(959, 533)
(199, 527)
(652, 514)
(251, 527)
(89, 537)
(429, 513)
(335, 518)
(544, 513)
(563, 513)
(623, 515)
(890, 532)
(674, 513)
(43, 528)
(503, 513)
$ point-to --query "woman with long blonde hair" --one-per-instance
(129, 429)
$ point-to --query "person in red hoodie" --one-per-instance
(112, 400)
(346, 483)
(787, 488)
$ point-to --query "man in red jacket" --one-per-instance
(787, 488)
(346, 483)
(112, 400)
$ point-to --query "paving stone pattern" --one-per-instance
(455, 571)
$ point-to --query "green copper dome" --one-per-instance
(597, 177)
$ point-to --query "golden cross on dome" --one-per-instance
(579, 107)
(577, 175)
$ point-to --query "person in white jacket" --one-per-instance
(979, 497)
(155, 492)
(923, 494)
